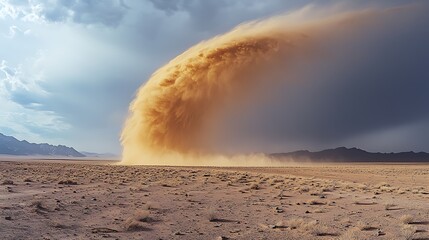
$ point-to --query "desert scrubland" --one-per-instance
(98, 200)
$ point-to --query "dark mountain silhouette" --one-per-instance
(343, 154)
(12, 146)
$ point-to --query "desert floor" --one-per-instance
(98, 200)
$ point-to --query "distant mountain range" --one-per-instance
(12, 146)
(100, 155)
(343, 154)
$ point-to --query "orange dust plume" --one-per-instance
(171, 119)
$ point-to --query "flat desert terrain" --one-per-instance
(98, 200)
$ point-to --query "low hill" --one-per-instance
(12, 146)
(343, 154)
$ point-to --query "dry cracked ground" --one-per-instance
(97, 200)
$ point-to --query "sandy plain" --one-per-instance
(52, 199)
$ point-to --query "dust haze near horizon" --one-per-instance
(174, 119)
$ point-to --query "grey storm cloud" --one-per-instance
(218, 15)
(108, 12)
(167, 6)
(373, 82)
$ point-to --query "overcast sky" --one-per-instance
(69, 69)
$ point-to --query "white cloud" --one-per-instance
(14, 30)
(23, 78)
(8, 10)
(29, 124)
(26, 11)
(21, 114)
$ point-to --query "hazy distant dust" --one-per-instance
(173, 117)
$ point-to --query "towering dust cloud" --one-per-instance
(172, 117)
